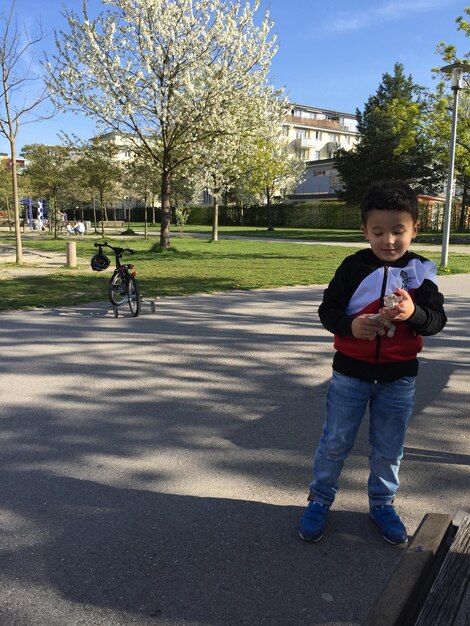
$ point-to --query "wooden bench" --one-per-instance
(116, 224)
(430, 584)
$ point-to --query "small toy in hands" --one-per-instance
(386, 326)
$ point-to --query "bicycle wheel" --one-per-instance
(134, 296)
(117, 291)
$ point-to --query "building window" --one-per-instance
(302, 154)
(318, 134)
(300, 133)
(335, 183)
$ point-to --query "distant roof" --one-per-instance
(320, 110)
(426, 198)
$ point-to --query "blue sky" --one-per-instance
(331, 54)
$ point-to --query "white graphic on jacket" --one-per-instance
(366, 298)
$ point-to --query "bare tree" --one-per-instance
(17, 99)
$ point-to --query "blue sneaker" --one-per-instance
(389, 523)
(313, 521)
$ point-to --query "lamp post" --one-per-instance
(456, 70)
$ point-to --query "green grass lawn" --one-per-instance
(191, 266)
(302, 234)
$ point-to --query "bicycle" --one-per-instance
(123, 286)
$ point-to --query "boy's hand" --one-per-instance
(401, 311)
(363, 327)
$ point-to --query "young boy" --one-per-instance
(370, 367)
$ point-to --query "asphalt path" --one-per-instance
(154, 468)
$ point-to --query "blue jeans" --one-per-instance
(390, 408)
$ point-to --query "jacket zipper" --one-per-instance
(381, 303)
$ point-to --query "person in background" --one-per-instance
(79, 228)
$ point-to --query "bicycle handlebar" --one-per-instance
(105, 244)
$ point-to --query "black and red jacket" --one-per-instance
(359, 286)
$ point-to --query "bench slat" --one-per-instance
(112, 224)
(463, 616)
(448, 590)
(395, 602)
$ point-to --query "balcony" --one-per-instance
(302, 143)
(306, 121)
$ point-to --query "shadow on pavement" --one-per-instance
(154, 469)
(180, 558)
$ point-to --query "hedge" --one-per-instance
(326, 214)
(297, 215)
(334, 215)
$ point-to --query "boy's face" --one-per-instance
(389, 233)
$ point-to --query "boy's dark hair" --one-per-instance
(390, 196)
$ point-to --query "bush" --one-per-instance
(181, 214)
(157, 248)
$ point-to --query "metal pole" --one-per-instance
(450, 182)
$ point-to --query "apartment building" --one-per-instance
(123, 144)
(5, 161)
(314, 135)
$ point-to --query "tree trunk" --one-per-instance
(166, 205)
(145, 222)
(103, 213)
(215, 215)
(54, 213)
(9, 215)
(16, 203)
(269, 211)
(94, 214)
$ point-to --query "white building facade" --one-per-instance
(314, 135)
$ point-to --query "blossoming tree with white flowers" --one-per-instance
(164, 72)
(219, 164)
(272, 171)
